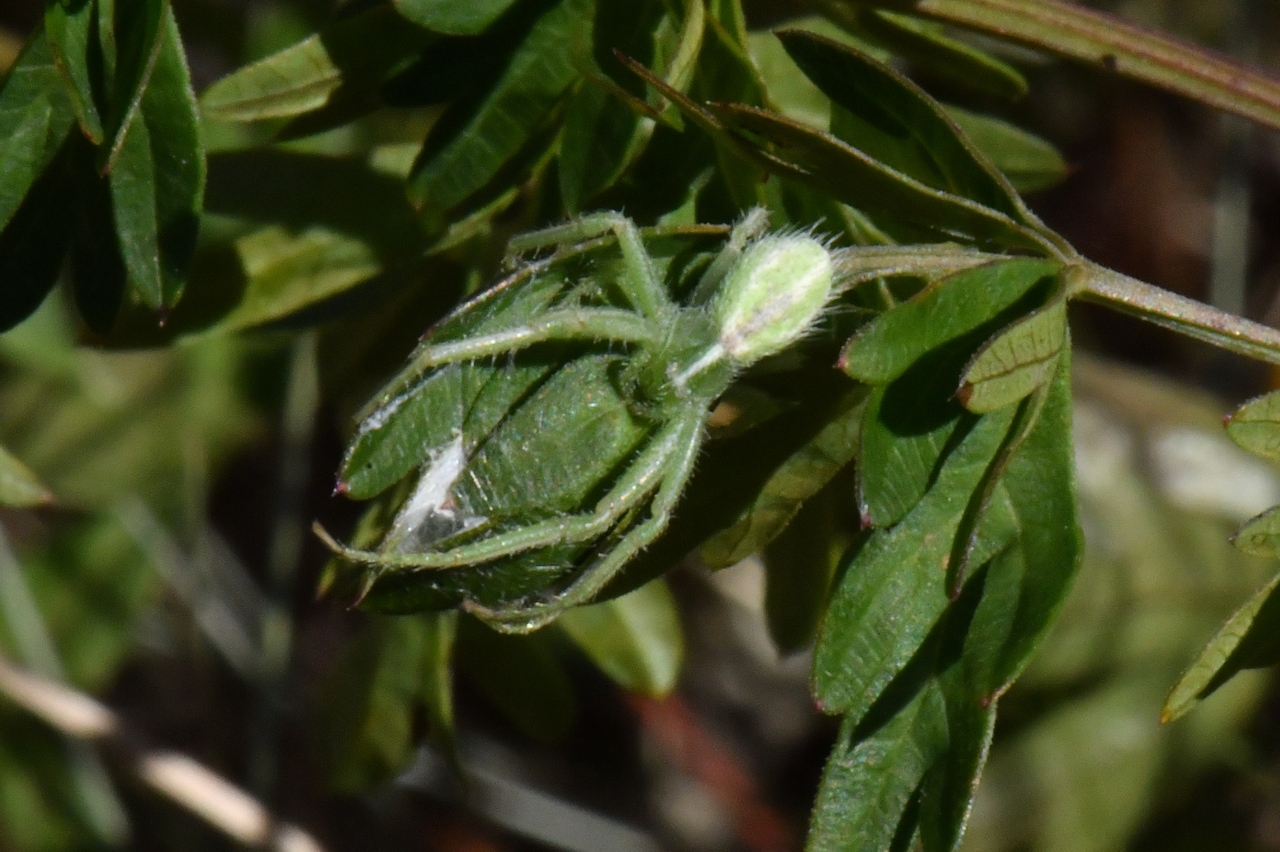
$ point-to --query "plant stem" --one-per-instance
(1107, 41)
(1093, 283)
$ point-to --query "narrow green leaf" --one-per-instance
(69, 26)
(1249, 639)
(949, 310)
(19, 487)
(140, 31)
(870, 779)
(98, 274)
(1112, 43)
(1256, 426)
(1029, 162)
(928, 47)
(157, 185)
(799, 478)
(635, 639)
(34, 242)
(1018, 360)
(847, 174)
(1261, 535)
(893, 590)
(452, 168)
(451, 17)
(36, 116)
(892, 120)
(311, 73)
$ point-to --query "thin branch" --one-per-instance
(174, 775)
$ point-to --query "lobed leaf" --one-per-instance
(157, 184)
(1261, 535)
(1249, 639)
(69, 28)
(1018, 360)
(635, 639)
(1255, 426)
(467, 149)
(892, 120)
(946, 311)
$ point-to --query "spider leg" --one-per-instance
(613, 324)
(640, 280)
(675, 474)
(647, 473)
(755, 223)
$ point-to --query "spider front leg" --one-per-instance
(647, 473)
(640, 282)
(675, 473)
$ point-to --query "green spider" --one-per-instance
(556, 421)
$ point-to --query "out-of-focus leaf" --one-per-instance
(34, 242)
(635, 639)
(799, 568)
(466, 151)
(157, 184)
(800, 477)
(306, 76)
(892, 120)
(1018, 360)
(19, 487)
(141, 30)
(946, 311)
(522, 678)
(1250, 639)
(68, 25)
(1256, 426)
(453, 18)
(1029, 162)
(929, 48)
(397, 665)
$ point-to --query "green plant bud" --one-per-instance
(771, 296)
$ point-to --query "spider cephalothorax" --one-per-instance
(533, 367)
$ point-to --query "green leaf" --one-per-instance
(929, 48)
(635, 639)
(521, 676)
(1256, 426)
(157, 185)
(19, 487)
(1261, 535)
(69, 27)
(140, 30)
(793, 482)
(1018, 360)
(1029, 162)
(948, 310)
(333, 64)
(466, 150)
(892, 120)
(36, 115)
(893, 589)
(847, 174)
(34, 242)
(453, 18)
(1250, 639)
(98, 274)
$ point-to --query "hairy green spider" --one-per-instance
(608, 372)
